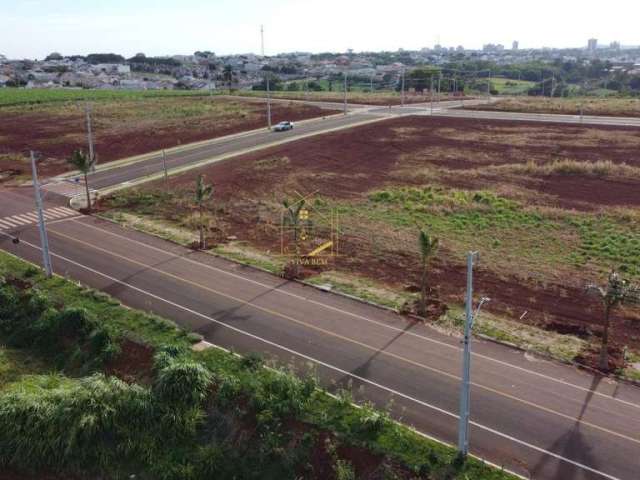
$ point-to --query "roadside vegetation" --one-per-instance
(90, 388)
(550, 210)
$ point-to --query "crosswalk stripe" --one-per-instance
(55, 214)
(63, 210)
(20, 220)
(11, 224)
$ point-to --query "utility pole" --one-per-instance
(465, 389)
(371, 84)
(431, 90)
(345, 92)
(164, 165)
(262, 39)
(489, 86)
(463, 427)
(553, 81)
(87, 110)
(402, 90)
(268, 104)
(439, 79)
(44, 240)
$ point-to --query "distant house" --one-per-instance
(3, 80)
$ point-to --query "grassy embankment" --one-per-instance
(181, 413)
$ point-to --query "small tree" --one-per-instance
(202, 195)
(84, 163)
(292, 218)
(617, 292)
(428, 246)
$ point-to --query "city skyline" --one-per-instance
(159, 28)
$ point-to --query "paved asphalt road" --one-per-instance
(538, 418)
(109, 176)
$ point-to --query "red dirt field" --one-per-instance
(56, 134)
(461, 153)
(367, 158)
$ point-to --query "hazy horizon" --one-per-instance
(36, 28)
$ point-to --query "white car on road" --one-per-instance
(282, 126)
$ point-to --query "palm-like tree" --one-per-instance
(84, 163)
(427, 246)
(202, 194)
(292, 217)
(617, 292)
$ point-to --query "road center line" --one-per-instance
(329, 366)
(351, 340)
(355, 315)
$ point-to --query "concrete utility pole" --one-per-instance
(489, 86)
(87, 110)
(345, 92)
(465, 389)
(44, 240)
(164, 165)
(439, 79)
(262, 40)
(371, 84)
(268, 104)
(431, 90)
(402, 90)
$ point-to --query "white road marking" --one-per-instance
(31, 218)
(329, 366)
(4, 224)
(376, 322)
(19, 219)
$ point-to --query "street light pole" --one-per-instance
(164, 165)
(87, 109)
(431, 89)
(44, 240)
(345, 92)
(268, 105)
(402, 92)
(465, 389)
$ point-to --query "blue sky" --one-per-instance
(35, 28)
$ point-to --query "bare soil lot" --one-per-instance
(551, 208)
(126, 127)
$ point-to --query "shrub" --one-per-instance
(183, 384)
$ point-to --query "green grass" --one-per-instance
(507, 228)
(506, 86)
(22, 96)
(15, 364)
